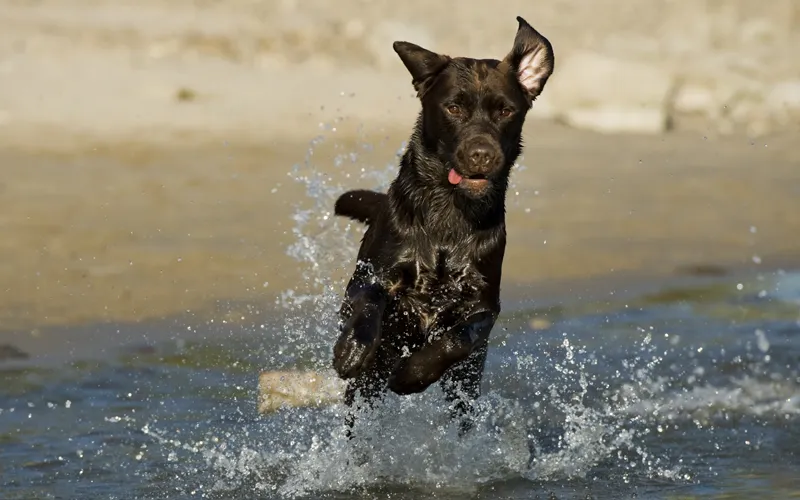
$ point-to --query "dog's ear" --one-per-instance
(531, 58)
(421, 63)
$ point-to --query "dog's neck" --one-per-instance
(419, 198)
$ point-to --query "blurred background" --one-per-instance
(148, 146)
(167, 172)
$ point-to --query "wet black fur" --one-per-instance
(425, 293)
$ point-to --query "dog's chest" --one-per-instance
(440, 290)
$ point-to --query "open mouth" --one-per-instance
(475, 180)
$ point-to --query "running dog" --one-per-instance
(425, 293)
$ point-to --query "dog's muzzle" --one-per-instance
(479, 157)
(476, 161)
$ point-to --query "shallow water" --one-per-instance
(694, 392)
(689, 392)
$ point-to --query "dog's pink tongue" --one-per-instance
(453, 177)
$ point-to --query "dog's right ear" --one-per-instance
(421, 63)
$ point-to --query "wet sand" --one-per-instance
(128, 232)
(144, 152)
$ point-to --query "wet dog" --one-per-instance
(425, 293)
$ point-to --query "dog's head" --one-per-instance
(473, 109)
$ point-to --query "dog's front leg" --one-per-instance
(427, 365)
(462, 386)
(360, 328)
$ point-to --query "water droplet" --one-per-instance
(761, 340)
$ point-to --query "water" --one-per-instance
(689, 392)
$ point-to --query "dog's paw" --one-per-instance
(357, 344)
(413, 374)
(351, 356)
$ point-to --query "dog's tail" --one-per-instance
(361, 205)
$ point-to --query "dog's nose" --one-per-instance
(480, 157)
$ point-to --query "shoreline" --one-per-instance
(145, 146)
(131, 232)
(243, 324)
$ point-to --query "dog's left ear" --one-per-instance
(421, 63)
(531, 58)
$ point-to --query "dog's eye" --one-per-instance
(454, 110)
(506, 112)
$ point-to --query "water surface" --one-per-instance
(687, 391)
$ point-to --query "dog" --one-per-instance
(425, 293)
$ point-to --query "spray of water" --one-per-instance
(396, 437)
(323, 245)
(554, 418)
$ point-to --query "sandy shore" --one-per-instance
(131, 232)
(145, 159)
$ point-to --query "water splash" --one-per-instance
(325, 246)
(565, 412)
(411, 440)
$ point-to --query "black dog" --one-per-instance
(426, 290)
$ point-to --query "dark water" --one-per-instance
(693, 392)
(690, 392)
